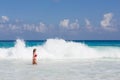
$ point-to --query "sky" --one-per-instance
(64, 19)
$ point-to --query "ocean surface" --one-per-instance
(60, 59)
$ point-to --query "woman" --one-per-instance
(34, 57)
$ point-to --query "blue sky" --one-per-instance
(67, 19)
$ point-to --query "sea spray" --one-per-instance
(59, 49)
(62, 49)
(19, 51)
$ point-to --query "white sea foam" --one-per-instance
(58, 49)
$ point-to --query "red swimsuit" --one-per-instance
(35, 55)
(34, 58)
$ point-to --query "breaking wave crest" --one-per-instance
(58, 49)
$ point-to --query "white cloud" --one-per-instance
(14, 27)
(74, 25)
(28, 27)
(37, 28)
(64, 23)
(88, 24)
(106, 22)
(41, 28)
(32, 27)
(5, 18)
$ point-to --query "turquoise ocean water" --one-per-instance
(11, 43)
